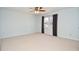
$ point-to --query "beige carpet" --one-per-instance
(38, 42)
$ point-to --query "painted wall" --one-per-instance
(0, 43)
(14, 23)
(68, 23)
(38, 23)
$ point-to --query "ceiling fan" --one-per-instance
(38, 10)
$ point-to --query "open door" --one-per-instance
(48, 25)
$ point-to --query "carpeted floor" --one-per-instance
(38, 42)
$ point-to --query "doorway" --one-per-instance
(49, 25)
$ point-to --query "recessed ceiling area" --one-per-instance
(29, 10)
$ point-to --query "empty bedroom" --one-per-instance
(39, 29)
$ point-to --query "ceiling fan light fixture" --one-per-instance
(37, 12)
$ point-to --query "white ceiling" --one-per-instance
(30, 9)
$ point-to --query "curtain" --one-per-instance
(42, 29)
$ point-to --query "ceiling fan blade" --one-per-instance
(42, 10)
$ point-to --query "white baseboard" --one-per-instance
(4, 37)
(17, 35)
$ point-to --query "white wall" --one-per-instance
(0, 43)
(38, 23)
(68, 23)
(14, 23)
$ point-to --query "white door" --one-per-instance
(48, 28)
